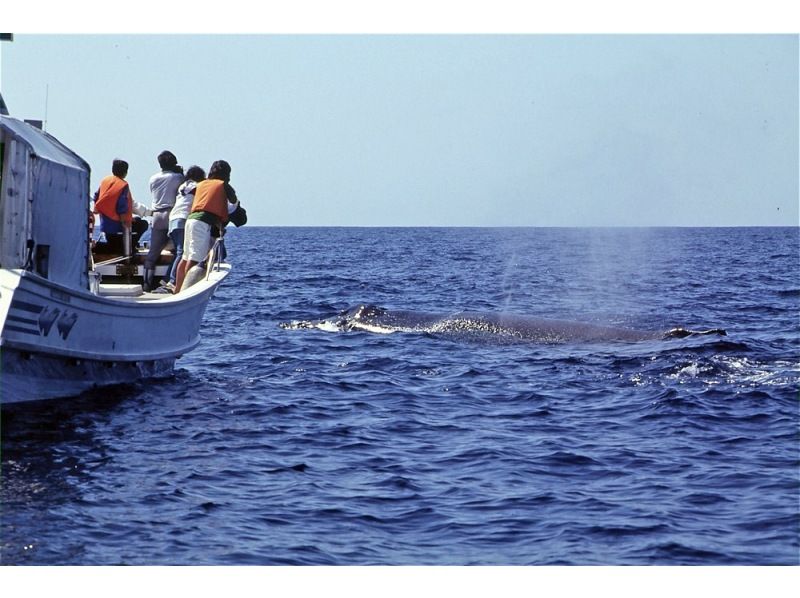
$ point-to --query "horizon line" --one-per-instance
(608, 226)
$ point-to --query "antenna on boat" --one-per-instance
(4, 37)
(46, 98)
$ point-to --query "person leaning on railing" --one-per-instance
(214, 201)
(164, 189)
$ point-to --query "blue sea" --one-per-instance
(287, 438)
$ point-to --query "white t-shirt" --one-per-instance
(183, 201)
(164, 187)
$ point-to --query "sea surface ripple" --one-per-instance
(274, 444)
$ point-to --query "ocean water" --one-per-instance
(290, 438)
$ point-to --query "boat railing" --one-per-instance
(214, 260)
(127, 240)
(113, 260)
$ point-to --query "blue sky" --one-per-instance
(437, 130)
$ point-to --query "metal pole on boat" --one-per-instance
(127, 241)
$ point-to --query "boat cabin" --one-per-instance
(44, 205)
(46, 222)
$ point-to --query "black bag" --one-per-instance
(239, 216)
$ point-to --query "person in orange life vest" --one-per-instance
(115, 204)
(214, 200)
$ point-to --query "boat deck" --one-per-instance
(121, 276)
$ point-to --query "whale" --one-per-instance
(376, 319)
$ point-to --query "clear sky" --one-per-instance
(437, 130)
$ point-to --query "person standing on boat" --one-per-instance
(114, 203)
(164, 188)
(214, 200)
(178, 215)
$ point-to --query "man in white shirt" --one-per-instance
(163, 187)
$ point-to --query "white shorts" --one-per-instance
(196, 240)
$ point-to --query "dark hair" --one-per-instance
(119, 168)
(167, 160)
(196, 174)
(220, 170)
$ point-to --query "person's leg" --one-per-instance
(183, 267)
(177, 239)
(158, 240)
(197, 236)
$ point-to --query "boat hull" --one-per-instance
(58, 342)
(28, 376)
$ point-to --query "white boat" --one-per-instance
(68, 324)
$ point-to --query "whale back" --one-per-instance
(375, 319)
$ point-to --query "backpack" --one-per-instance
(239, 216)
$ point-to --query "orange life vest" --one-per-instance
(110, 189)
(210, 196)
